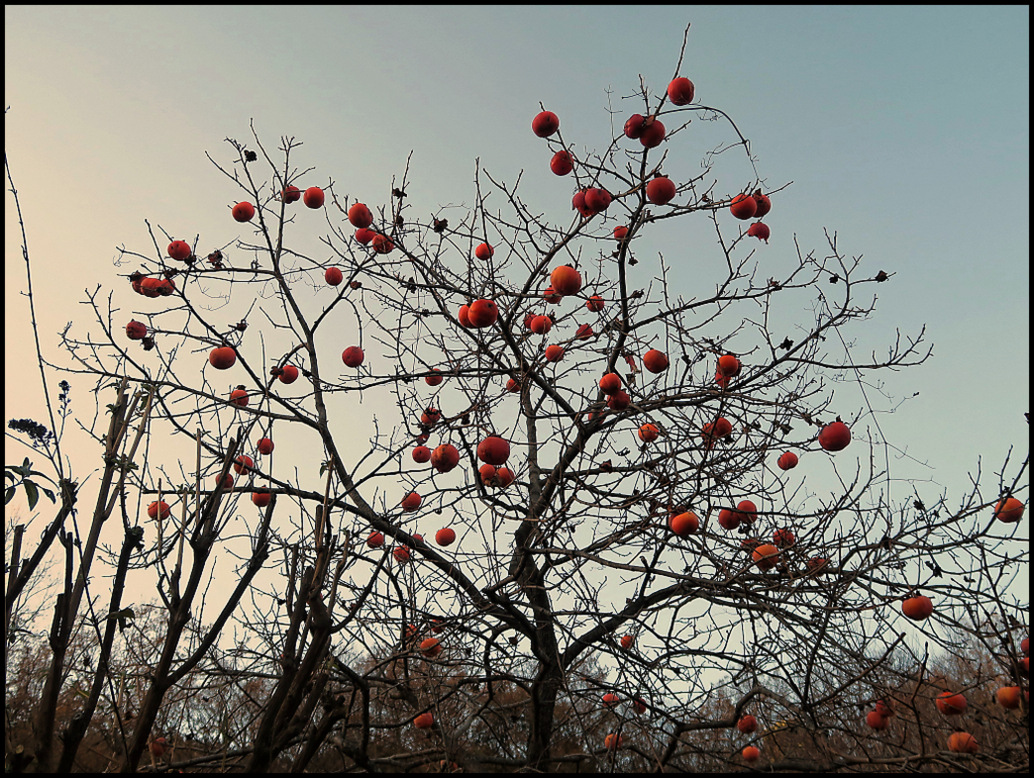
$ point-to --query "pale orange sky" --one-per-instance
(905, 130)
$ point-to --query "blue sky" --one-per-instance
(905, 130)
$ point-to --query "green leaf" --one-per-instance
(11, 491)
(32, 492)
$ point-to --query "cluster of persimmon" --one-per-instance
(360, 217)
(750, 206)
(313, 197)
(919, 607)
(660, 190)
(832, 437)
(499, 477)
(401, 553)
(493, 451)
(728, 368)
(611, 700)
(747, 724)
(565, 280)
(879, 717)
(223, 357)
(766, 555)
(655, 361)
(152, 287)
(242, 465)
(952, 703)
(479, 314)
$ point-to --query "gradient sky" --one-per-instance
(903, 129)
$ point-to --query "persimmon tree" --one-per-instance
(679, 497)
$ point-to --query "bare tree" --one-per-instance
(629, 561)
